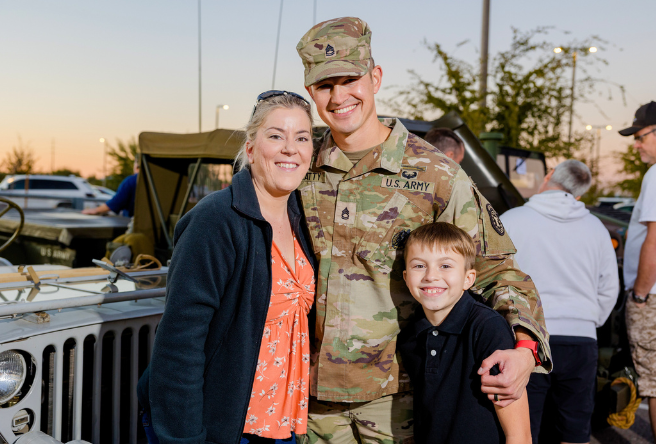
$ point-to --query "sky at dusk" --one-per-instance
(74, 71)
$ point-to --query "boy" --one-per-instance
(443, 346)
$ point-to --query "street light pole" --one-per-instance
(558, 50)
(104, 142)
(219, 108)
(199, 75)
(594, 158)
(485, 33)
(571, 103)
(275, 58)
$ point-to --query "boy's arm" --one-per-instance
(515, 421)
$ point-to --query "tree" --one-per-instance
(123, 158)
(20, 160)
(93, 180)
(530, 97)
(66, 172)
(634, 170)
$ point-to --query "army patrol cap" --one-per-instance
(337, 47)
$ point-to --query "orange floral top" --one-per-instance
(279, 399)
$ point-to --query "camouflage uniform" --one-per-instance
(359, 217)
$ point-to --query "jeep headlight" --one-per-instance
(12, 374)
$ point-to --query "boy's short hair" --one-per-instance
(447, 237)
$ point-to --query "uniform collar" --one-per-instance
(454, 322)
(388, 155)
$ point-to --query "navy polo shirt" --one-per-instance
(442, 362)
(123, 200)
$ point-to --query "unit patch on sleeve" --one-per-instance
(408, 185)
(495, 220)
(399, 239)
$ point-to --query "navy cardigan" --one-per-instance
(200, 378)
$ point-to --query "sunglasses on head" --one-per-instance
(266, 95)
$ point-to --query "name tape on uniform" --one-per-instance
(408, 185)
(315, 177)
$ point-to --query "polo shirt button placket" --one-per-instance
(433, 353)
(435, 333)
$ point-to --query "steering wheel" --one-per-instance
(4, 211)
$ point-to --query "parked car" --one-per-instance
(38, 191)
(103, 192)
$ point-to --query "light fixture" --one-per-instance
(608, 127)
(588, 127)
(12, 374)
(558, 50)
(593, 49)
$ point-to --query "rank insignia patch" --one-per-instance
(330, 51)
(495, 220)
(345, 213)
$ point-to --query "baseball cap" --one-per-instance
(337, 47)
(645, 116)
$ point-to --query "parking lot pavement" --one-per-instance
(639, 433)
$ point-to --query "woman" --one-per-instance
(231, 357)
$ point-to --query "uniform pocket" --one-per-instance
(382, 245)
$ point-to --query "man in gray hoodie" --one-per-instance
(569, 255)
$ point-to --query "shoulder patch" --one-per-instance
(495, 220)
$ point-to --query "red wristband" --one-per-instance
(531, 345)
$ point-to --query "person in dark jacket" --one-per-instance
(230, 362)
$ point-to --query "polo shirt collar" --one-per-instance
(388, 155)
(454, 322)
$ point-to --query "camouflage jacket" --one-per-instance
(359, 217)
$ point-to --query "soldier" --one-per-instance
(448, 142)
(371, 182)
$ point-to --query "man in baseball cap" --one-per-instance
(370, 184)
(640, 260)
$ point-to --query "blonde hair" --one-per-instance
(447, 237)
(261, 112)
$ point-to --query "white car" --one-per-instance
(103, 192)
(38, 191)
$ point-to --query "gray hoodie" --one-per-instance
(569, 255)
